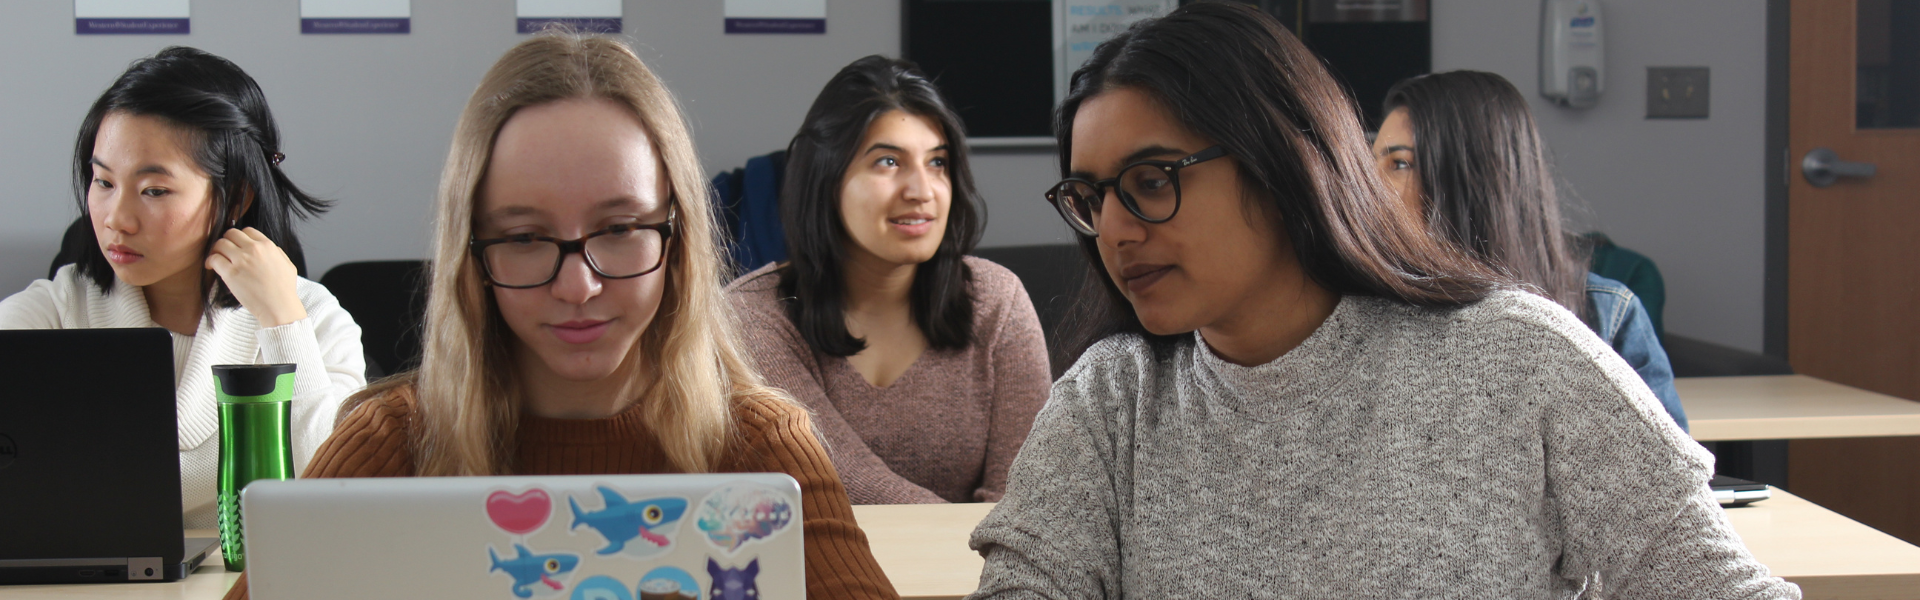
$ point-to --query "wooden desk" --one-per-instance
(923, 549)
(1828, 555)
(1783, 407)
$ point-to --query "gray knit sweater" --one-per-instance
(1494, 451)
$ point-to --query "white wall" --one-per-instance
(1687, 193)
(1013, 184)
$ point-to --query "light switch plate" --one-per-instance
(1677, 92)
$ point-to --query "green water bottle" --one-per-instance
(256, 411)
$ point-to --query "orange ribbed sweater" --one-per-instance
(778, 437)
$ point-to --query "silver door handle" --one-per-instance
(1822, 167)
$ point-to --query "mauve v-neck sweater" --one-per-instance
(776, 436)
(947, 429)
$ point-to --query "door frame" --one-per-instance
(1766, 460)
(1779, 174)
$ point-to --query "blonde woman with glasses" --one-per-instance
(575, 322)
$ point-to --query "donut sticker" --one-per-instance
(669, 583)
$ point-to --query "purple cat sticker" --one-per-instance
(734, 584)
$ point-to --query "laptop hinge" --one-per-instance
(61, 562)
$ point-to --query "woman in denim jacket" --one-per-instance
(1463, 151)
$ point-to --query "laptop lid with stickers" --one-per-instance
(585, 537)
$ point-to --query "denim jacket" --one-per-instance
(1623, 323)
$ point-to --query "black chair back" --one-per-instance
(388, 299)
(1052, 274)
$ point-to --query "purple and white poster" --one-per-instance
(776, 16)
(120, 17)
(356, 16)
(583, 16)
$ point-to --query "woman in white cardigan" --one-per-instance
(177, 172)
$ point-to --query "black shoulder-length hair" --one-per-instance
(232, 139)
(1232, 74)
(817, 160)
(1486, 182)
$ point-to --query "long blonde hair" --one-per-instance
(468, 397)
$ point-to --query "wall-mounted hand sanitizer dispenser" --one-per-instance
(1572, 55)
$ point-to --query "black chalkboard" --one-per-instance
(1368, 56)
(993, 60)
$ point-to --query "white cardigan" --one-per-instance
(325, 346)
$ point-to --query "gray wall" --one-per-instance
(1687, 193)
(366, 120)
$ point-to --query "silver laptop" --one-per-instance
(586, 537)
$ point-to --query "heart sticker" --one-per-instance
(522, 513)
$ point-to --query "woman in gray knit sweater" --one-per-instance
(1291, 391)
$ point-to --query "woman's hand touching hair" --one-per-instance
(260, 276)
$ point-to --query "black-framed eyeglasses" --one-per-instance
(622, 251)
(1150, 189)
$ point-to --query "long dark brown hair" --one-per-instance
(817, 159)
(1234, 75)
(1485, 179)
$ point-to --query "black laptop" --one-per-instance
(89, 459)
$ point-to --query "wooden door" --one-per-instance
(1854, 246)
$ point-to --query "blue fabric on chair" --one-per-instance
(747, 203)
(727, 189)
(761, 239)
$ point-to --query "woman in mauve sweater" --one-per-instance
(1293, 392)
(575, 323)
(923, 366)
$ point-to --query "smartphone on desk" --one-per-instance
(1733, 491)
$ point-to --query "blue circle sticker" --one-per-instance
(601, 587)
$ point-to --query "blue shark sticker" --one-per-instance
(639, 529)
(535, 575)
(601, 587)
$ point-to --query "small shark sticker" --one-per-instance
(638, 528)
(528, 570)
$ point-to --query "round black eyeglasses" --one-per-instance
(622, 251)
(1150, 189)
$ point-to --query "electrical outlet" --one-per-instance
(1677, 92)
